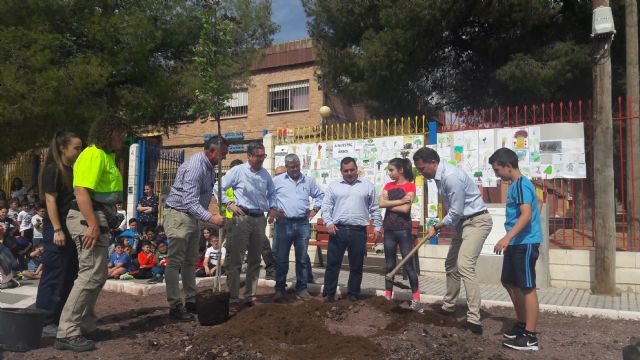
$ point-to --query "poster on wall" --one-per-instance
(544, 151)
(321, 161)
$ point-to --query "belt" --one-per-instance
(352, 227)
(300, 218)
(251, 213)
(485, 211)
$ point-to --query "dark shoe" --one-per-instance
(329, 299)
(444, 312)
(179, 313)
(352, 298)
(304, 295)
(474, 328)
(234, 307)
(49, 331)
(278, 297)
(99, 335)
(523, 342)
(191, 307)
(156, 279)
(75, 343)
(248, 304)
(515, 331)
(270, 276)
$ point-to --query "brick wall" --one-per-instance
(189, 136)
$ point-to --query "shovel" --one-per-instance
(391, 275)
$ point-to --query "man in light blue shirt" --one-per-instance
(254, 194)
(348, 206)
(293, 191)
(468, 213)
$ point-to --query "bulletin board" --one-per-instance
(321, 161)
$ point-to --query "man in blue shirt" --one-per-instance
(347, 207)
(520, 248)
(293, 191)
(254, 194)
(468, 213)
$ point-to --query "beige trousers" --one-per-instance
(248, 233)
(183, 233)
(78, 315)
(461, 264)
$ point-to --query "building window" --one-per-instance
(238, 105)
(289, 96)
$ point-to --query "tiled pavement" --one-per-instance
(571, 301)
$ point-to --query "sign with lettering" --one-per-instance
(343, 149)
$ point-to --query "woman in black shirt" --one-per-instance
(60, 258)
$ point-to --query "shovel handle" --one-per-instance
(393, 272)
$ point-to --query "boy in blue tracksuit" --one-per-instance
(520, 247)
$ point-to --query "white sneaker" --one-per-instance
(416, 306)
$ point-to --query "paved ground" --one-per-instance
(569, 301)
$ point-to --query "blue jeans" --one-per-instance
(292, 232)
(60, 269)
(353, 239)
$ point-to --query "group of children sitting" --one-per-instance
(21, 227)
(135, 256)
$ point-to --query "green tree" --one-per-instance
(63, 63)
(415, 56)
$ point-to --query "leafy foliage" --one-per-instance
(415, 56)
(63, 63)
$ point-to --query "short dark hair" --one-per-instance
(212, 142)
(253, 146)
(235, 162)
(348, 160)
(149, 185)
(149, 228)
(159, 229)
(504, 156)
(133, 220)
(426, 155)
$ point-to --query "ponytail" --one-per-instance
(405, 165)
(54, 156)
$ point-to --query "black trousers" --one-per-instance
(60, 270)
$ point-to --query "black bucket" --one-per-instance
(213, 307)
(21, 329)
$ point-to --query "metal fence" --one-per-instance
(24, 166)
(569, 201)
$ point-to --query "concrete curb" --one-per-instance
(123, 286)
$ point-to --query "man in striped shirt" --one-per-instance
(186, 204)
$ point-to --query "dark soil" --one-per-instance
(369, 329)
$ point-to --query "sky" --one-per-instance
(290, 15)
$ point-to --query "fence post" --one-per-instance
(543, 276)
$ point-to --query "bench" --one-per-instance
(321, 239)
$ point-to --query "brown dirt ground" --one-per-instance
(369, 329)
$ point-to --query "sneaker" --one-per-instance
(75, 343)
(352, 298)
(180, 313)
(474, 328)
(191, 307)
(304, 295)
(49, 331)
(278, 297)
(126, 276)
(523, 342)
(10, 284)
(156, 279)
(515, 331)
(416, 306)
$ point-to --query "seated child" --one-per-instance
(37, 222)
(200, 263)
(211, 256)
(151, 236)
(146, 260)
(119, 263)
(7, 262)
(162, 236)
(162, 257)
(35, 263)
